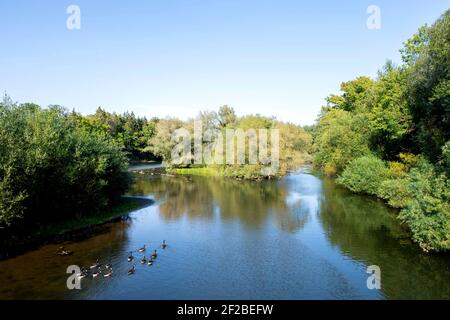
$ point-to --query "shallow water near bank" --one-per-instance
(300, 237)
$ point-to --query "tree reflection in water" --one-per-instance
(252, 202)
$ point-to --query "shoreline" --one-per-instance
(72, 229)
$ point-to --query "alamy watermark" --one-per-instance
(74, 280)
(374, 20)
(374, 280)
(73, 22)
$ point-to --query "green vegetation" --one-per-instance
(51, 169)
(130, 132)
(390, 136)
(294, 144)
(202, 171)
(364, 174)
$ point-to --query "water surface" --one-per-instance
(299, 237)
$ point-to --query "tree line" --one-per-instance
(53, 168)
(390, 136)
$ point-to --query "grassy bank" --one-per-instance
(243, 172)
(204, 172)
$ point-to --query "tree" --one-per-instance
(389, 118)
(354, 96)
(226, 116)
(428, 85)
(161, 144)
(340, 137)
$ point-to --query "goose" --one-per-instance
(142, 249)
(150, 262)
(96, 273)
(154, 254)
(143, 260)
(130, 257)
(63, 252)
(83, 274)
(108, 274)
(164, 244)
(132, 270)
(96, 265)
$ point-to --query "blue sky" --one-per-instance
(174, 58)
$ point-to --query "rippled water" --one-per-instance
(299, 237)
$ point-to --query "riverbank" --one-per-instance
(13, 242)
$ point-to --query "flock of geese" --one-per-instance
(97, 269)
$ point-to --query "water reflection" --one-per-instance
(299, 237)
(365, 230)
(250, 202)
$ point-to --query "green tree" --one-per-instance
(428, 85)
(389, 118)
(354, 95)
(340, 137)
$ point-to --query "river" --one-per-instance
(299, 237)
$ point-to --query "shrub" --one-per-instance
(428, 213)
(408, 159)
(364, 175)
(397, 169)
(395, 191)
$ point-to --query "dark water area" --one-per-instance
(300, 237)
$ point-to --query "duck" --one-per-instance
(164, 244)
(150, 262)
(154, 255)
(143, 260)
(132, 270)
(142, 249)
(95, 265)
(63, 252)
(108, 274)
(108, 266)
(130, 257)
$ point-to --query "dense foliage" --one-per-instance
(364, 174)
(294, 144)
(390, 137)
(51, 168)
(127, 130)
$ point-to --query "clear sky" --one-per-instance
(174, 57)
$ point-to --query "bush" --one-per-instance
(428, 213)
(51, 169)
(397, 169)
(364, 175)
(395, 191)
